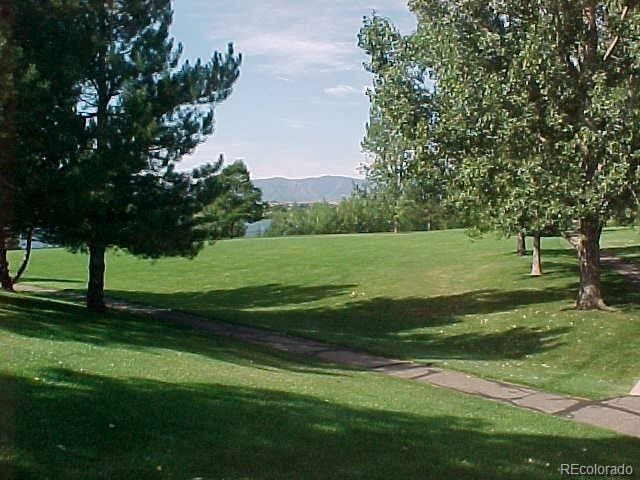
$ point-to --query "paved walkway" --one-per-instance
(626, 269)
(620, 266)
(621, 414)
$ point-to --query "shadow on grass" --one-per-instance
(59, 321)
(617, 290)
(365, 324)
(77, 426)
(269, 295)
(28, 279)
(368, 322)
(405, 327)
(631, 252)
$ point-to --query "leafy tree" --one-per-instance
(237, 203)
(365, 211)
(538, 110)
(141, 112)
(400, 122)
(314, 219)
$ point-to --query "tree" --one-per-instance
(521, 243)
(7, 113)
(400, 123)
(142, 112)
(237, 203)
(551, 126)
(39, 125)
(36, 107)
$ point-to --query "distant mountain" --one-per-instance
(306, 190)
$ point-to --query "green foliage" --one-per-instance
(316, 218)
(237, 203)
(142, 111)
(534, 113)
(541, 126)
(403, 169)
(39, 128)
(366, 211)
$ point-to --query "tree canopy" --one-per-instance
(535, 114)
(238, 202)
(119, 109)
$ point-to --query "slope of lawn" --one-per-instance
(433, 297)
(121, 397)
(624, 242)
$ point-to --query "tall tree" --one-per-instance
(400, 122)
(552, 126)
(142, 111)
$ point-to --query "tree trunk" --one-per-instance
(588, 247)
(5, 276)
(395, 224)
(25, 259)
(536, 264)
(521, 244)
(95, 288)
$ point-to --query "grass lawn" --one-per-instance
(89, 397)
(624, 242)
(433, 297)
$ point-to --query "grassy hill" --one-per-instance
(86, 397)
(436, 297)
(306, 190)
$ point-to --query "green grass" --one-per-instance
(119, 397)
(624, 242)
(433, 297)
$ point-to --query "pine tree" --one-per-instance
(142, 111)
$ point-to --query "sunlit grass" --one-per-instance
(118, 397)
(433, 297)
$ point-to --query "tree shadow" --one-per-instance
(377, 322)
(257, 296)
(511, 344)
(60, 321)
(560, 252)
(631, 252)
(74, 425)
(28, 279)
(617, 290)
(381, 325)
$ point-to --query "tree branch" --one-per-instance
(615, 41)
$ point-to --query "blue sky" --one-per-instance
(298, 109)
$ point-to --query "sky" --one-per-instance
(299, 108)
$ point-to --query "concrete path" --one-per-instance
(621, 414)
(626, 269)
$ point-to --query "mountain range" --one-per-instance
(306, 190)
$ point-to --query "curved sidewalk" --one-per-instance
(620, 414)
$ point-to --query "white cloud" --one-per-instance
(287, 53)
(295, 124)
(341, 90)
(295, 38)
